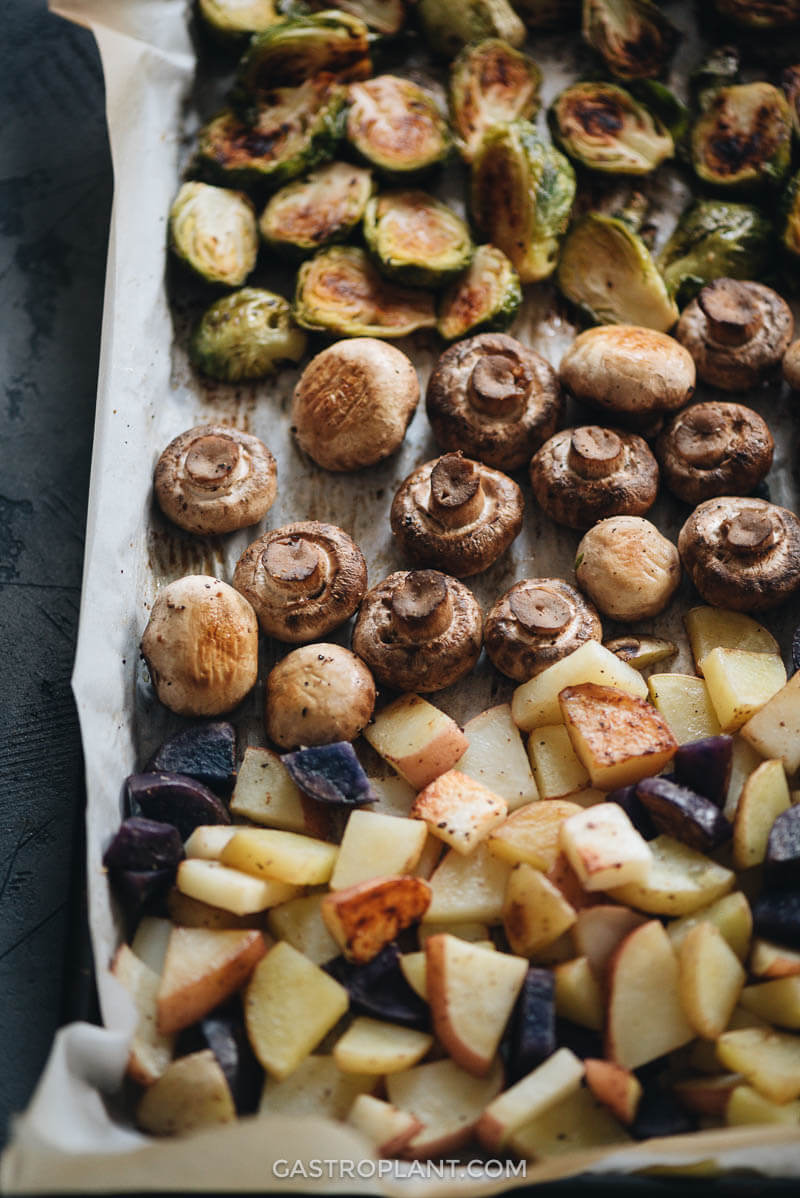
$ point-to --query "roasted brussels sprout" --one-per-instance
(789, 219)
(340, 291)
(245, 336)
(449, 25)
(633, 36)
(606, 270)
(715, 239)
(491, 83)
(720, 68)
(742, 141)
(214, 232)
(760, 14)
(313, 212)
(485, 299)
(289, 54)
(604, 128)
(790, 82)
(234, 20)
(396, 126)
(521, 194)
(384, 16)
(416, 239)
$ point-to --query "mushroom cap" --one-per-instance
(737, 332)
(316, 695)
(791, 366)
(493, 398)
(456, 514)
(537, 622)
(627, 568)
(714, 449)
(303, 580)
(419, 630)
(627, 369)
(353, 403)
(582, 475)
(214, 478)
(201, 646)
(742, 554)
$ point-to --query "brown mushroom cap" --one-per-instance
(742, 554)
(419, 630)
(737, 332)
(353, 403)
(317, 695)
(537, 622)
(582, 475)
(456, 514)
(791, 366)
(201, 646)
(627, 568)
(714, 449)
(214, 479)
(626, 369)
(493, 398)
(303, 580)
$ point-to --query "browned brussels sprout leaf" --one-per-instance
(318, 210)
(601, 126)
(340, 291)
(484, 299)
(396, 126)
(415, 238)
(742, 142)
(491, 84)
(633, 37)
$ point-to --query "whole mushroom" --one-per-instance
(303, 580)
(582, 475)
(456, 514)
(791, 366)
(316, 695)
(714, 449)
(742, 554)
(494, 399)
(419, 630)
(537, 622)
(201, 646)
(737, 332)
(214, 479)
(627, 568)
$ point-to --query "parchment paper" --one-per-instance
(75, 1135)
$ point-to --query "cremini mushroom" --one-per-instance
(316, 695)
(214, 479)
(582, 475)
(634, 372)
(201, 646)
(419, 630)
(303, 580)
(494, 399)
(537, 622)
(737, 332)
(791, 366)
(742, 554)
(714, 449)
(353, 403)
(627, 568)
(456, 514)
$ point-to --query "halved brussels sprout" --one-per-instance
(720, 68)
(340, 291)
(789, 219)
(233, 20)
(415, 238)
(790, 83)
(665, 107)
(384, 16)
(715, 239)
(449, 25)
(214, 232)
(485, 299)
(287, 55)
(313, 212)
(633, 36)
(606, 269)
(521, 193)
(743, 140)
(396, 126)
(549, 14)
(760, 14)
(245, 336)
(603, 127)
(491, 83)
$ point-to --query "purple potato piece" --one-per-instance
(533, 1023)
(796, 648)
(776, 916)
(205, 752)
(660, 1114)
(330, 773)
(782, 862)
(704, 766)
(379, 988)
(177, 800)
(223, 1031)
(684, 815)
(635, 810)
(135, 888)
(144, 844)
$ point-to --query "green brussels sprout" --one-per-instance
(522, 192)
(214, 232)
(760, 14)
(245, 336)
(606, 270)
(287, 55)
(386, 17)
(322, 208)
(790, 83)
(720, 68)
(604, 128)
(485, 299)
(743, 140)
(235, 20)
(491, 83)
(415, 238)
(340, 291)
(396, 126)
(449, 25)
(549, 14)
(715, 239)
(789, 219)
(633, 36)
(666, 107)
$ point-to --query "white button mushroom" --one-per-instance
(627, 568)
(317, 695)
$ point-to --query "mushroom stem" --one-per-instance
(422, 607)
(539, 610)
(594, 452)
(703, 438)
(750, 532)
(456, 491)
(211, 460)
(496, 386)
(733, 315)
(295, 564)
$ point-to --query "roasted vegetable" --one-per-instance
(491, 84)
(666, 107)
(232, 21)
(715, 239)
(782, 861)
(532, 1027)
(396, 126)
(549, 14)
(223, 1032)
(601, 126)
(339, 290)
(449, 25)
(144, 844)
(742, 142)
(330, 773)
(635, 810)
(175, 799)
(486, 298)
(384, 16)
(292, 53)
(720, 68)
(379, 988)
(760, 14)
(206, 752)
(705, 766)
(521, 194)
(776, 916)
(633, 36)
(214, 232)
(313, 212)
(415, 238)
(790, 82)
(683, 814)
(789, 219)
(606, 270)
(246, 335)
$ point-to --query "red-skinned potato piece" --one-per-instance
(616, 1087)
(202, 968)
(365, 917)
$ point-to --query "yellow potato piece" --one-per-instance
(740, 683)
(619, 738)
(535, 912)
(678, 882)
(372, 1046)
(685, 704)
(557, 769)
(535, 703)
(533, 833)
(764, 796)
(711, 980)
(769, 1060)
(714, 628)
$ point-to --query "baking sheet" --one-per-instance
(71, 1138)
